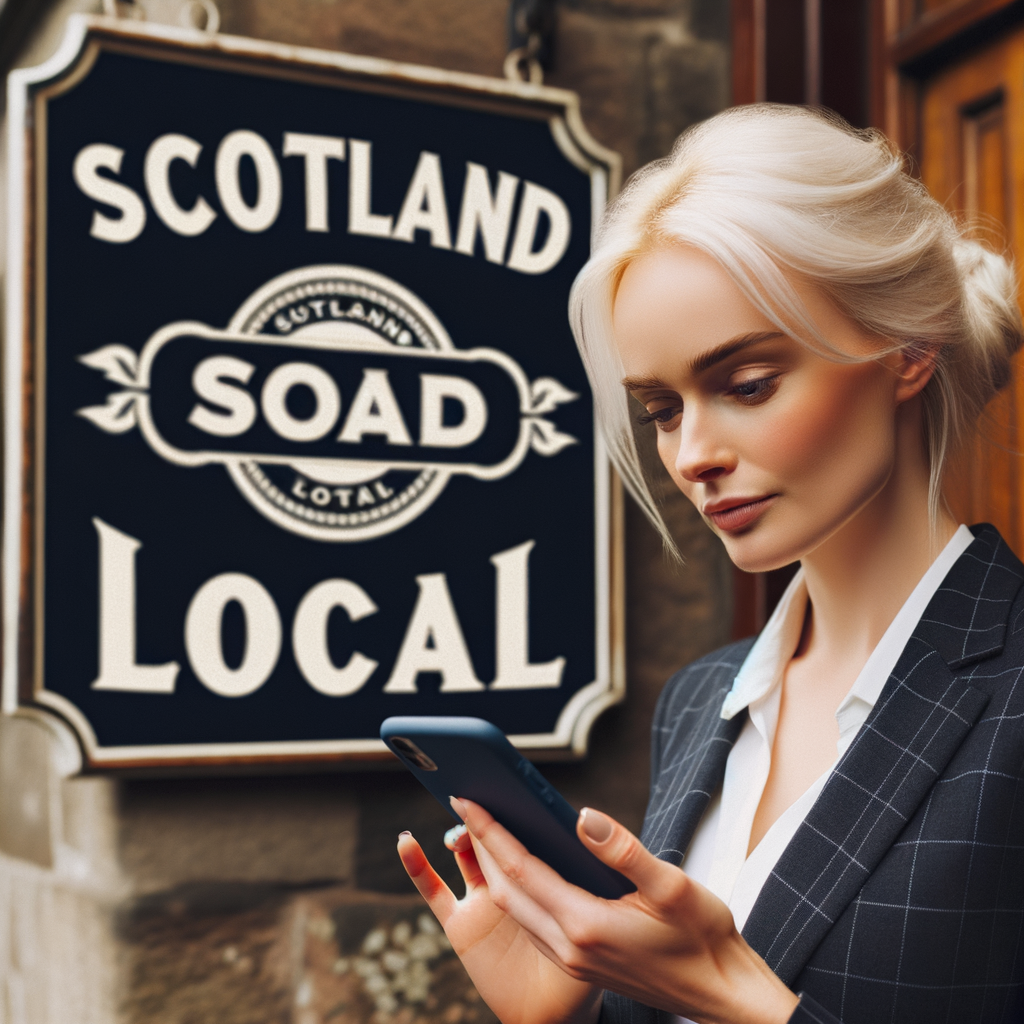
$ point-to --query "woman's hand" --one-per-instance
(672, 944)
(519, 983)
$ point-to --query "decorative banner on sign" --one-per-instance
(297, 437)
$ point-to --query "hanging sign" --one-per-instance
(297, 436)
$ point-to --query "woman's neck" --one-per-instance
(859, 578)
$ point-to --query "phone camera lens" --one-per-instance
(413, 753)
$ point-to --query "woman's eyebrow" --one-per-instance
(704, 361)
(643, 383)
(715, 355)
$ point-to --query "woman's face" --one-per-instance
(777, 446)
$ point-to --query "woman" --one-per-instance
(811, 338)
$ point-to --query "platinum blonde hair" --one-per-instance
(774, 192)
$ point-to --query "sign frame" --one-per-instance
(24, 369)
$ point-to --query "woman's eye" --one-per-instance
(663, 417)
(753, 391)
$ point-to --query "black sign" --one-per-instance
(297, 435)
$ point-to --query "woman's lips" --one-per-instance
(737, 516)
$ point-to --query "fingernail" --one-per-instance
(405, 833)
(453, 835)
(597, 826)
(458, 807)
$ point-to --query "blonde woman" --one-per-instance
(836, 822)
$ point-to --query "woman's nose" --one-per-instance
(704, 475)
(701, 457)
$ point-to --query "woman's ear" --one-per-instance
(915, 365)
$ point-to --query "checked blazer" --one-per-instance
(900, 898)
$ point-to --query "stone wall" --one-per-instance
(252, 900)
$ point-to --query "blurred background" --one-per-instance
(279, 898)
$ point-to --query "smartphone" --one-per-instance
(468, 757)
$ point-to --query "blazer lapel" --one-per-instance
(682, 787)
(921, 718)
(691, 793)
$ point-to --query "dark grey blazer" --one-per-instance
(901, 897)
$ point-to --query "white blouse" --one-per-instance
(717, 857)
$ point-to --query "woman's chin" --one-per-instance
(753, 566)
(758, 554)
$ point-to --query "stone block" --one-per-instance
(642, 79)
(461, 35)
(26, 791)
(57, 955)
(286, 829)
(262, 955)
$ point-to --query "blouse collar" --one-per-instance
(766, 663)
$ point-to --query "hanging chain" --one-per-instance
(531, 26)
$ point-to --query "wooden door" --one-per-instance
(956, 101)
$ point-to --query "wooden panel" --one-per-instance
(747, 18)
(785, 52)
(972, 158)
(882, 79)
(929, 34)
(844, 59)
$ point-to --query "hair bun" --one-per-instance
(993, 321)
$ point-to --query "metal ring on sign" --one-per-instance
(208, 7)
(521, 64)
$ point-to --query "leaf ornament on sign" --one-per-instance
(547, 439)
(546, 394)
(119, 364)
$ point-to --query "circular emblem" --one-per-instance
(340, 307)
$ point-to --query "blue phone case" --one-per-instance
(474, 759)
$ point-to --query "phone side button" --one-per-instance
(533, 778)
